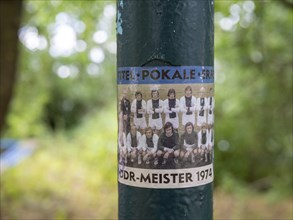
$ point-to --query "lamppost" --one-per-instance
(165, 75)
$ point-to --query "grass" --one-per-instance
(68, 177)
(250, 205)
(73, 176)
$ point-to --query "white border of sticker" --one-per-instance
(166, 179)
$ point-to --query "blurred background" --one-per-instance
(58, 143)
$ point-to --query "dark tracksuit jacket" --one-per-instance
(189, 139)
(168, 142)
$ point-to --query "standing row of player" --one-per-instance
(196, 110)
(147, 147)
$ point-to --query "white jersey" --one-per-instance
(129, 142)
(138, 111)
(210, 110)
(139, 114)
(201, 107)
(203, 139)
(172, 113)
(210, 102)
(211, 137)
(187, 112)
(211, 117)
(155, 118)
(144, 146)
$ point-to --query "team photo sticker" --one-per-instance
(165, 126)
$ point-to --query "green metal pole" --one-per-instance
(163, 44)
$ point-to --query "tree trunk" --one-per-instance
(10, 12)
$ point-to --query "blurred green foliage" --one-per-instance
(66, 99)
(69, 177)
(253, 55)
(67, 65)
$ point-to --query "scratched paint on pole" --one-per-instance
(166, 118)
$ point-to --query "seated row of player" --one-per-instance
(150, 146)
(188, 105)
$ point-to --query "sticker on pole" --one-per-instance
(165, 126)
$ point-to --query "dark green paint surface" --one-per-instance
(162, 33)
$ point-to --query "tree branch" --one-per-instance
(287, 3)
